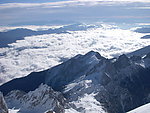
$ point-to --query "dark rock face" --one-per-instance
(110, 102)
(147, 56)
(26, 84)
(135, 58)
(138, 86)
(122, 62)
(128, 88)
(3, 106)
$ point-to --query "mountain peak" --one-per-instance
(93, 53)
(122, 62)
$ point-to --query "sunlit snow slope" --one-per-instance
(143, 109)
(40, 52)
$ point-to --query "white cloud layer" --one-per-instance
(70, 3)
(31, 27)
(41, 52)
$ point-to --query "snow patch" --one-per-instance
(14, 110)
(143, 109)
(88, 104)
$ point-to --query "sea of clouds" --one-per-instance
(36, 53)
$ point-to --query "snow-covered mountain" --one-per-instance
(87, 83)
(42, 99)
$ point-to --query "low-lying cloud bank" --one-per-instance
(40, 52)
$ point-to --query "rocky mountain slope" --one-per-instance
(42, 99)
(3, 106)
(88, 83)
(61, 74)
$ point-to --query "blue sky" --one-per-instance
(33, 12)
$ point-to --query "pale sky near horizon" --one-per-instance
(20, 12)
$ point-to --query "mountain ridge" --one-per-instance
(19, 33)
(114, 85)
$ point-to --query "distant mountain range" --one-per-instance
(86, 83)
(146, 37)
(19, 33)
(143, 30)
